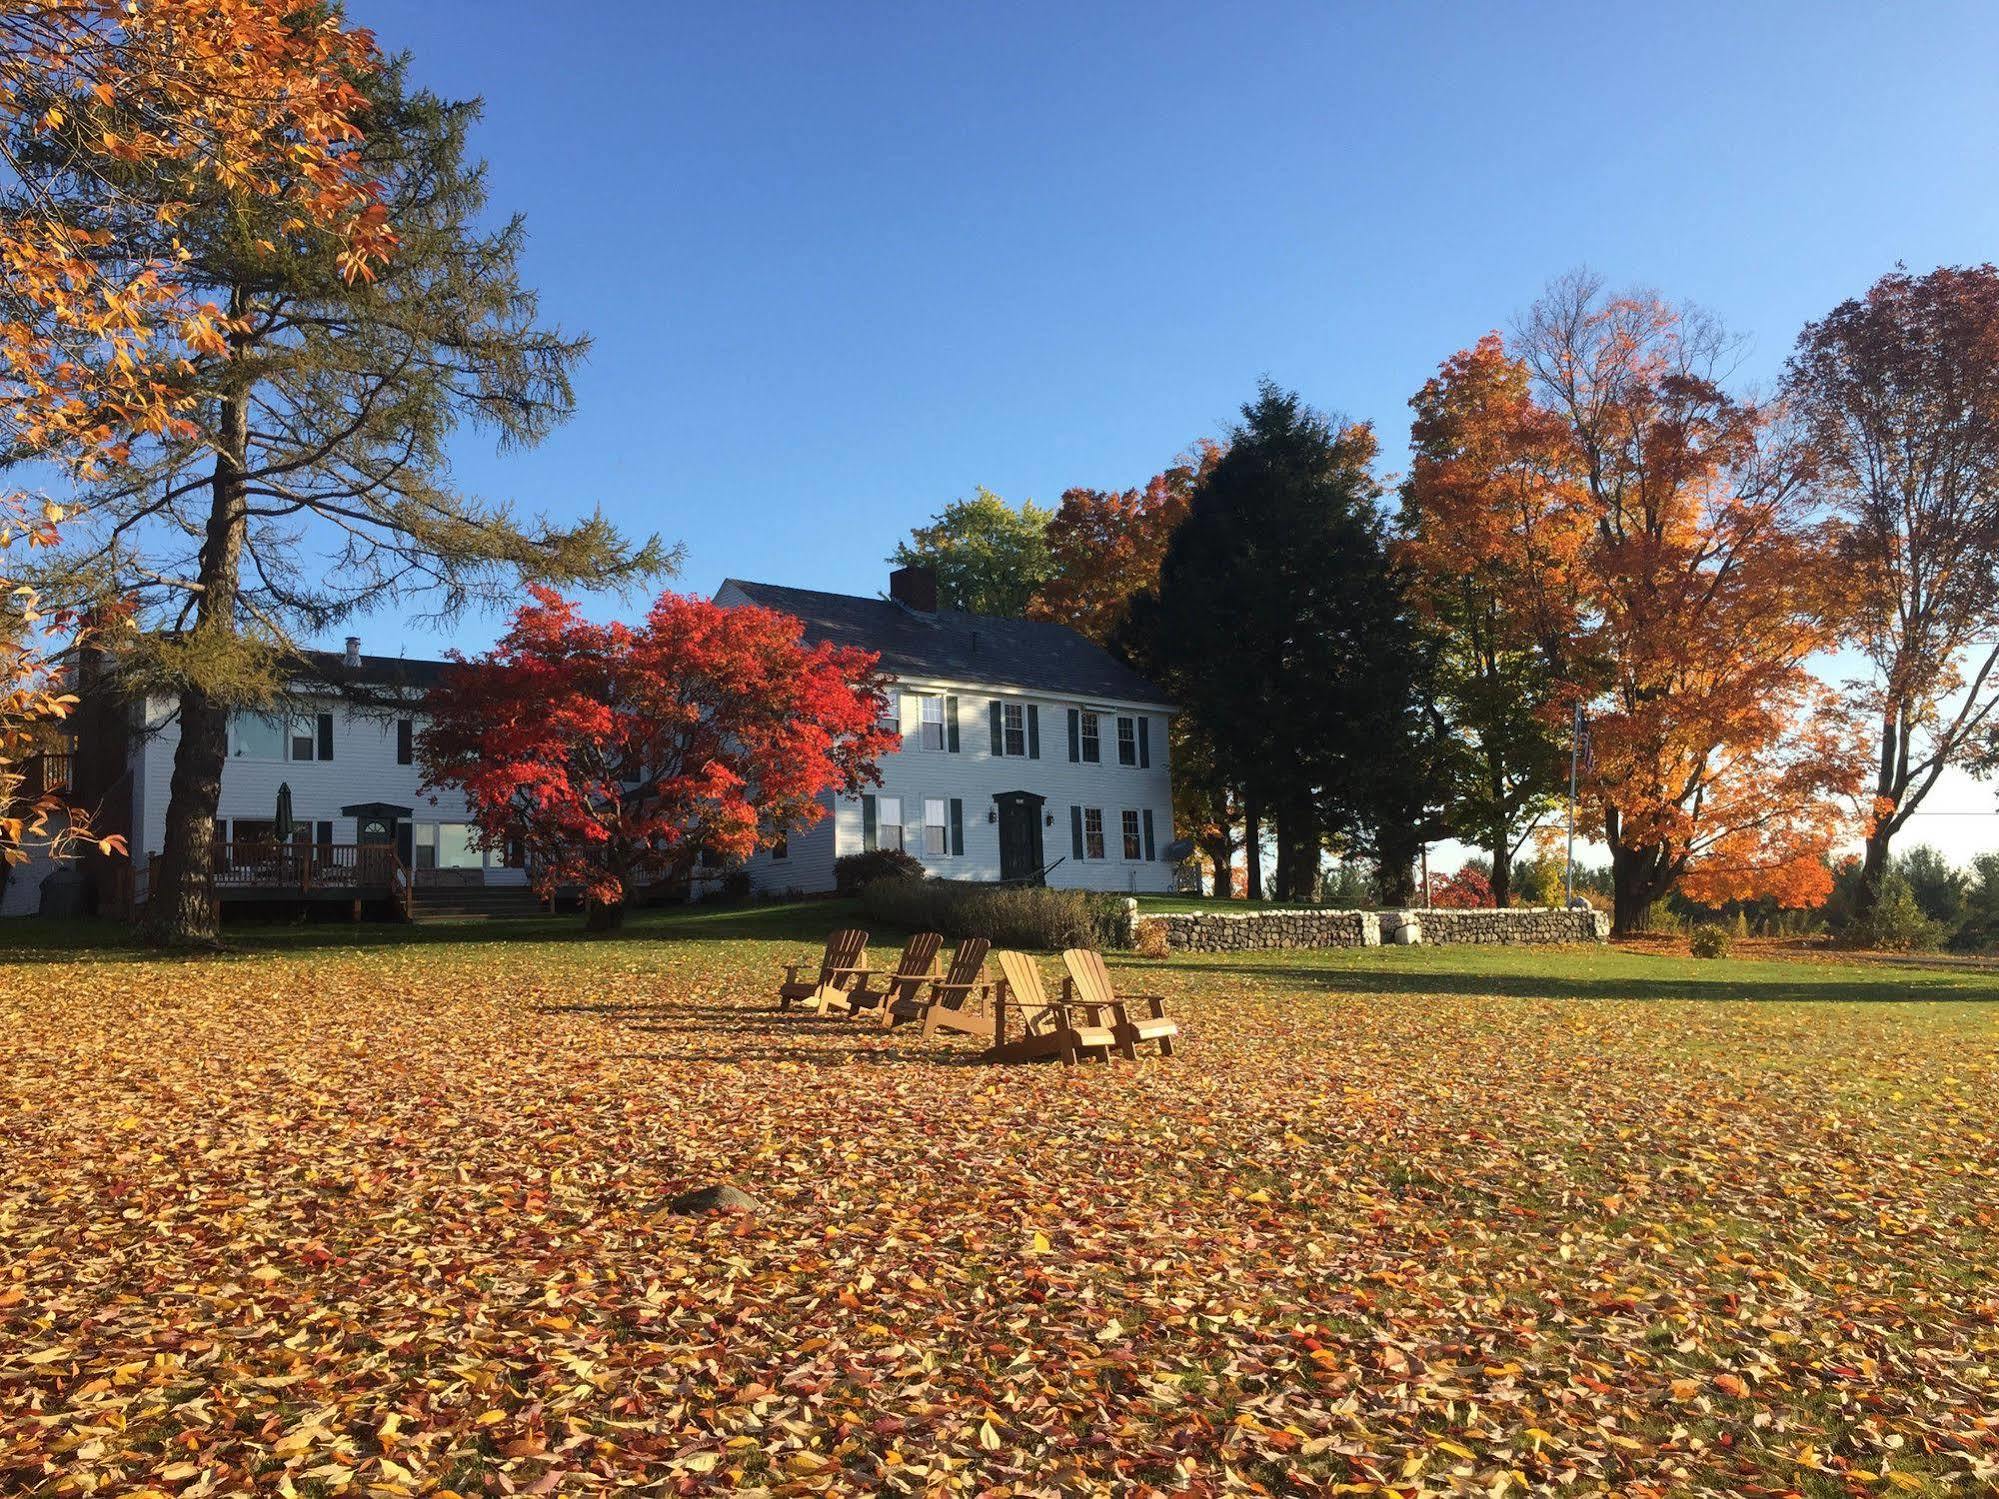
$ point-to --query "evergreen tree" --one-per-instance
(308, 477)
(1282, 629)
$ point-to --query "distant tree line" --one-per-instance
(1596, 526)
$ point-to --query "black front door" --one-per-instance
(1019, 835)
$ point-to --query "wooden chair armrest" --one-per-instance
(837, 972)
(791, 973)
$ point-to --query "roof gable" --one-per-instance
(952, 646)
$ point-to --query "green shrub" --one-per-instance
(1710, 942)
(1897, 922)
(855, 872)
(1022, 916)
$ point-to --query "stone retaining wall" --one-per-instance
(1245, 931)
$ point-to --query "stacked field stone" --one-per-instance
(1251, 931)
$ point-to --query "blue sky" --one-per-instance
(843, 263)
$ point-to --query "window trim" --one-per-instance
(1013, 731)
(925, 702)
(1131, 836)
(1127, 740)
(1092, 737)
(941, 827)
(884, 823)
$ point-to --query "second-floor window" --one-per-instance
(1093, 747)
(255, 736)
(932, 718)
(1016, 729)
(1127, 741)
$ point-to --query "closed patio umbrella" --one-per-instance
(284, 825)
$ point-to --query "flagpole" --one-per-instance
(1575, 752)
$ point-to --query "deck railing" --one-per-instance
(46, 774)
(265, 867)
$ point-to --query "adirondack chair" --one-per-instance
(840, 966)
(911, 974)
(1049, 1027)
(1089, 982)
(955, 1002)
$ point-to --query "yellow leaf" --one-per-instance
(1041, 1244)
(988, 1437)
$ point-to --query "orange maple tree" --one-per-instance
(92, 338)
(1682, 579)
(1107, 545)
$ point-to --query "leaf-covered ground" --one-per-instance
(386, 1219)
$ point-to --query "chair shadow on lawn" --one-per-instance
(1813, 984)
(748, 1034)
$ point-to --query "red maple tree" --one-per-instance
(612, 756)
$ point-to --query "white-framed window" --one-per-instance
(423, 844)
(1127, 741)
(932, 719)
(1093, 832)
(257, 736)
(1134, 846)
(1013, 720)
(936, 834)
(457, 846)
(888, 822)
(780, 849)
(252, 736)
(1093, 745)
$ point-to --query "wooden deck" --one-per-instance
(263, 870)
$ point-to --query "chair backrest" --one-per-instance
(844, 949)
(1088, 974)
(1023, 980)
(918, 956)
(967, 962)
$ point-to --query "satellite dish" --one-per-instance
(1178, 849)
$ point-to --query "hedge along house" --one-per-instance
(1028, 753)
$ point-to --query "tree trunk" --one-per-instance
(1501, 853)
(604, 916)
(1874, 866)
(1297, 852)
(1635, 884)
(1252, 842)
(181, 909)
(1220, 851)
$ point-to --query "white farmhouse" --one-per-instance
(347, 754)
(1028, 751)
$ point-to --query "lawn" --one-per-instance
(348, 1213)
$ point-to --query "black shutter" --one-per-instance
(999, 729)
(868, 822)
(957, 826)
(1033, 732)
(322, 833)
(326, 736)
(405, 742)
(1144, 744)
(1075, 735)
(951, 724)
(1076, 831)
(1147, 816)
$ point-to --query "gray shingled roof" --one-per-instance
(952, 646)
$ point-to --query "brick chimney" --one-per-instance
(914, 588)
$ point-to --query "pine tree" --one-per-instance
(1282, 628)
(310, 478)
